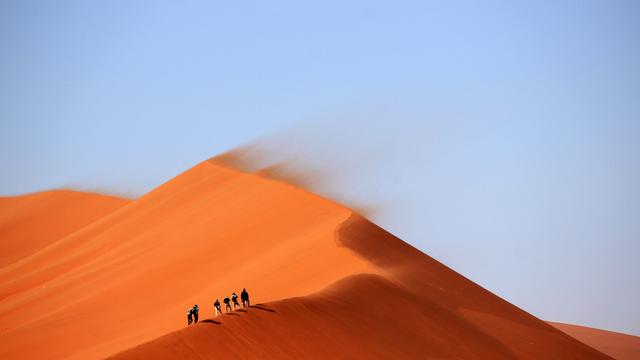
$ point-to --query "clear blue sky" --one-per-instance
(500, 137)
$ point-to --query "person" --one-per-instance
(226, 301)
(244, 295)
(195, 314)
(234, 298)
(189, 316)
(216, 306)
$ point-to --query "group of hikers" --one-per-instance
(192, 313)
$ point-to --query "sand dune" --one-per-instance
(29, 223)
(389, 322)
(413, 308)
(128, 277)
(333, 284)
(617, 345)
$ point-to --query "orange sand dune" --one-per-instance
(360, 317)
(413, 308)
(332, 279)
(30, 222)
(617, 345)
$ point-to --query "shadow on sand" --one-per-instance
(261, 307)
(210, 321)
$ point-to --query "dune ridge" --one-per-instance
(331, 284)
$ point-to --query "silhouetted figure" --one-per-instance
(216, 306)
(190, 316)
(195, 314)
(234, 298)
(244, 295)
(226, 301)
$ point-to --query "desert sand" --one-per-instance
(330, 283)
(615, 344)
(29, 223)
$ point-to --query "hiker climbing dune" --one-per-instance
(227, 306)
(244, 295)
(192, 313)
(234, 298)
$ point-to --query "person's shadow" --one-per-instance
(211, 321)
(261, 307)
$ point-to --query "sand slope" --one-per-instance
(340, 323)
(30, 222)
(129, 277)
(617, 345)
(413, 308)
(331, 278)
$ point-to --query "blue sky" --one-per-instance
(499, 137)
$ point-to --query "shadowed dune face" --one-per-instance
(437, 285)
(332, 283)
(619, 346)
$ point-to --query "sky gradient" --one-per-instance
(500, 138)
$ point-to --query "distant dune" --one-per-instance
(30, 222)
(330, 283)
(617, 345)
